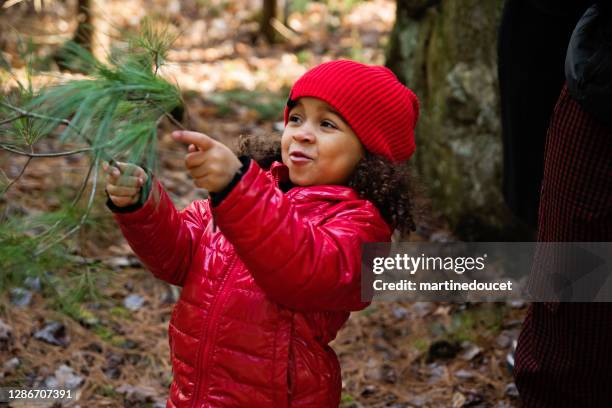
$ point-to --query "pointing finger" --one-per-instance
(200, 140)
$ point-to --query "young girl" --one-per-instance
(270, 264)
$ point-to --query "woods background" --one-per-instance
(85, 315)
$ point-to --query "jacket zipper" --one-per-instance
(209, 334)
(211, 319)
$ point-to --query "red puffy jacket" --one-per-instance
(266, 286)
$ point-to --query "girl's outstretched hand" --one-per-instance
(124, 182)
(212, 165)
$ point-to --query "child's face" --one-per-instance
(318, 146)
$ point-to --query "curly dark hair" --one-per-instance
(389, 186)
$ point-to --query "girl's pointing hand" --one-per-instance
(212, 165)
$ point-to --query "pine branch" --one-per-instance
(115, 112)
(9, 120)
(101, 111)
(33, 155)
(24, 113)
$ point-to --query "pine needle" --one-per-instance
(114, 112)
(117, 109)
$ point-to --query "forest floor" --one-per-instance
(98, 323)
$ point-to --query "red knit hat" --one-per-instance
(381, 111)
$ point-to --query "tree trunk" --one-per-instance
(268, 12)
(84, 32)
(91, 33)
(446, 51)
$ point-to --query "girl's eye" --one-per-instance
(328, 123)
(294, 118)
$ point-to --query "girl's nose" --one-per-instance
(304, 137)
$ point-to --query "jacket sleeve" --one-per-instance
(162, 237)
(298, 264)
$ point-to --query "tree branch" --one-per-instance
(9, 120)
(174, 121)
(66, 122)
(13, 181)
(32, 155)
(23, 112)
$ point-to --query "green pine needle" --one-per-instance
(116, 111)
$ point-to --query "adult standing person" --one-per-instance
(533, 40)
(563, 357)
